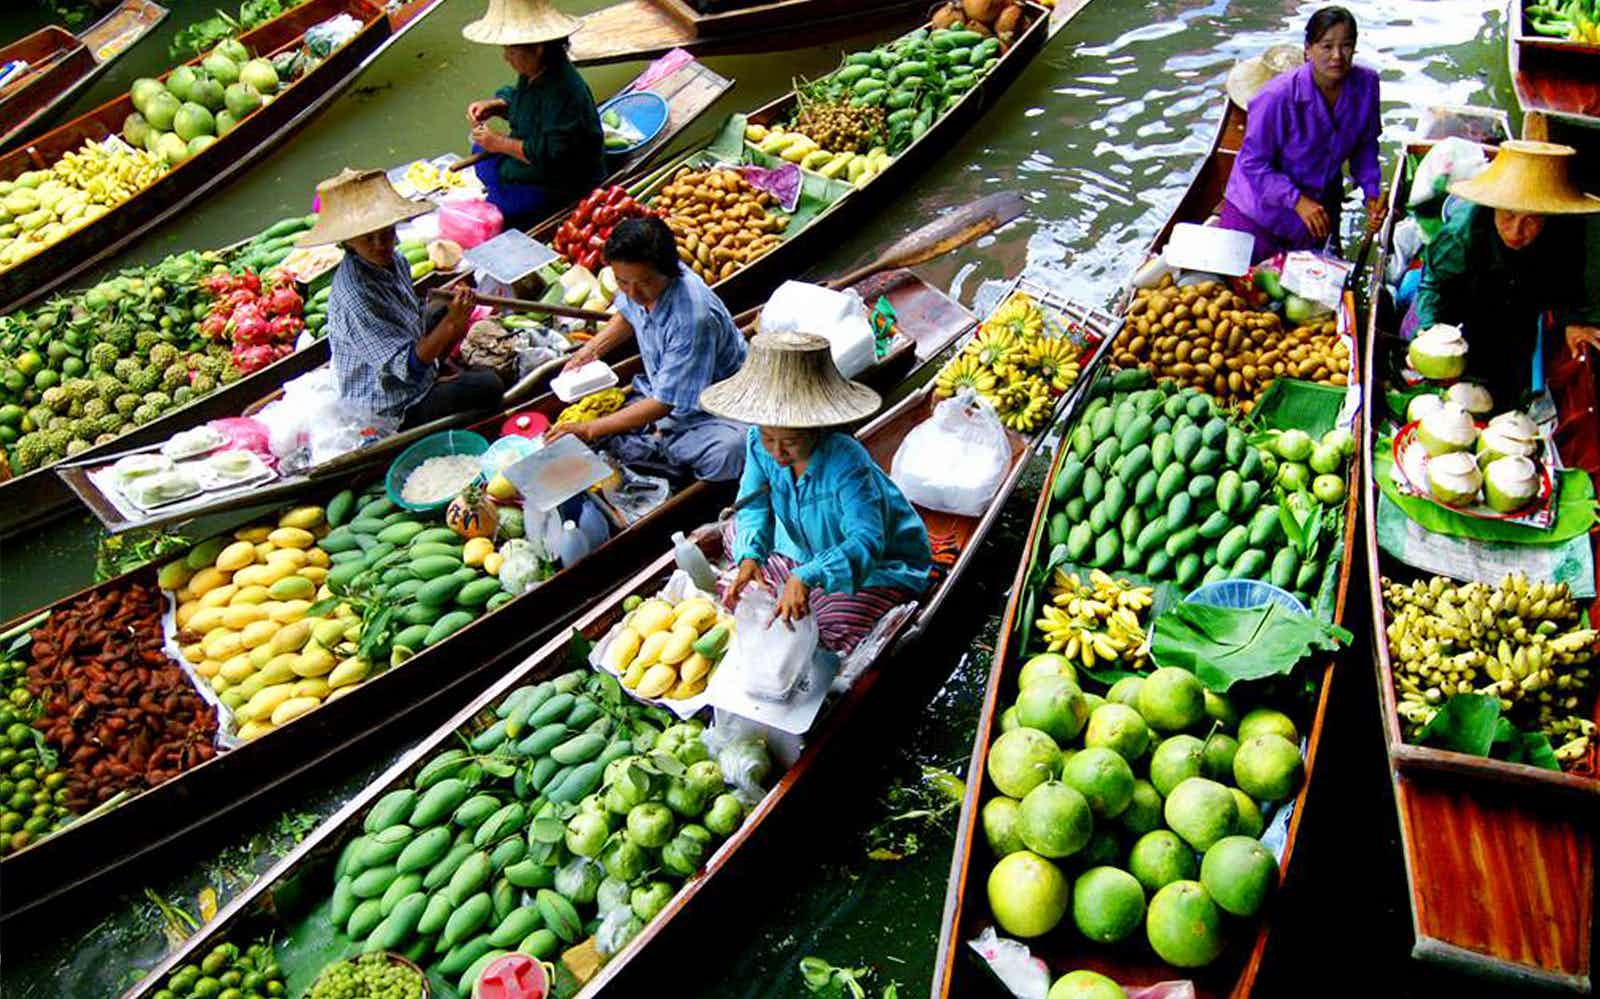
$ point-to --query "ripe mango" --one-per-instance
(348, 673)
(292, 537)
(289, 611)
(261, 655)
(314, 660)
(206, 580)
(676, 648)
(249, 595)
(652, 616)
(293, 708)
(174, 575)
(205, 619)
(624, 648)
(186, 612)
(317, 557)
(657, 680)
(686, 689)
(292, 588)
(327, 631)
(221, 643)
(220, 596)
(303, 517)
(634, 674)
(292, 637)
(264, 549)
(209, 668)
(696, 667)
(254, 535)
(492, 563)
(650, 648)
(258, 633)
(237, 616)
(236, 556)
(294, 558)
(219, 683)
(237, 669)
(233, 697)
(265, 701)
(314, 686)
(315, 573)
(279, 669)
(254, 729)
(697, 613)
(476, 550)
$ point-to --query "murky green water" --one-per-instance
(1100, 132)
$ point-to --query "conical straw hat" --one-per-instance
(1528, 177)
(790, 380)
(1248, 76)
(520, 22)
(356, 202)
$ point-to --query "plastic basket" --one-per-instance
(446, 442)
(643, 109)
(1244, 594)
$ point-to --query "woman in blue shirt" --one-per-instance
(823, 524)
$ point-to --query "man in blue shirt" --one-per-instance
(687, 340)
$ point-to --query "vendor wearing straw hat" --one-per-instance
(822, 524)
(1517, 251)
(1286, 186)
(389, 361)
(555, 152)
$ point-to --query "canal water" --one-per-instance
(1100, 134)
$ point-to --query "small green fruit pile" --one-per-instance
(370, 976)
(227, 973)
(33, 792)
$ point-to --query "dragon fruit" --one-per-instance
(283, 300)
(250, 359)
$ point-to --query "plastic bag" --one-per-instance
(1448, 161)
(617, 927)
(841, 317)
(769, 658)
(470, 222)
(741, 753)
(1023, 975)
(954, 460)
(245, 434)
(521, 569)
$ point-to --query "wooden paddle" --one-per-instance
(465, 162)
(950, 230)
(526, 305)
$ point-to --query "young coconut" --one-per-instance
(1447, 429)
(1438, 352)
(1421, 406)
(1454, 478)
(1472, 397)
(1512, 433)
(1510, 483)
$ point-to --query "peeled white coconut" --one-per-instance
(1510, 483)
(1446, 429)
(1508, 435)
(1438, 352)
(1421, 406)
(1454, 478)
(1472, 397)
(1517, 424)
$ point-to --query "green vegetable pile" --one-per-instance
(226, 973)
(370, 976)
(32, 791)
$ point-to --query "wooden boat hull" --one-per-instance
(57, 868)
(1551, 76)
(41, 495)
(1518, 841)
(75, 61)
(183, 184)
(1234, 973)
(645, 29)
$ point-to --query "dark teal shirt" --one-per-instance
(555, 119)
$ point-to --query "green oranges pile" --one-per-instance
(33, 792)
(226, 972)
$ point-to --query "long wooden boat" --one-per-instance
(90, 849)
(61, 64)
(267, 906)
(1517, 840)
(966, 911)
(256, 135)
(1552, 76)
(756, 279)
(41, 495)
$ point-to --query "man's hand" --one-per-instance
(583, 355)
(1375, 214)
(581, 429)
(1581, 337)
(479, 112)
(793, 604)
(1313, 216)
(462, 300)
(749, 571)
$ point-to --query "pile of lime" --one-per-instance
(227, 973)
(370, 976)
(33, 792)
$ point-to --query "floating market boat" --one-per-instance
(268, 906)
(92, 848)
(180, 186)
(1530, 868)
(40, 495)
(1132, 963)
(645, 29)
(58, 65)
(1556, 77)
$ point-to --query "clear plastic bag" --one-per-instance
(955, 460)
(741, 753)
(521, 569)
(617, 928)
(1450, 160)
(769, 656)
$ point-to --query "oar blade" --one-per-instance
(954, 228)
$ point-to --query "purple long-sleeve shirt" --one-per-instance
(1294, 145)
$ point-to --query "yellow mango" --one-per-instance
(290, 611)
(222, 643)
(318, 558)
(476, 550)
(219, 683)
(209, 668)
(280, 668)
(294, 558)
(351, 671)
(650, 648)
(292, 637)
(314, 661)
(263, 702)
(236, 556)
(250, 575)
(258, 633)
(254, 535)
(634, 674)
(236, 669)
(260, 655)
(254, 729)
(686, 689)
(697, 613)
(323, 593)
(292, 588)
(206, 580)
(303, 517)
(492, 563)
(185, 595)
(687, 630)
(186, 612)
(676, 648)
(236, 616)
(315, 686)
(249, 595)
(205, 619)
(315, 573)
(652, 616)
(174, 575)
(623, 649)
(338, 692)
(292, 537)
(247, 688)
(657, 680)
(294, 707)
(501, 488)
(233, 697)
(694, 668)
(264, 549)
(219, 597)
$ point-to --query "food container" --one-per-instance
(645, 110)
(570, 386)
(556, 473)
(193, 442)
(515, 976)
(445, 442)
(1244, 594)
(470, 222)
(528, 423)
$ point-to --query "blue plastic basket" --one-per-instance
(1244, 594)
(445, 442)
(644, 110)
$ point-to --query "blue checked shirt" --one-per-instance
(844, 522)
(687, 341)
(374, 323)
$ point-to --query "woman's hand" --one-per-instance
(581, 429)
(793, 604)
(490, 141)
(1581, 337)
(583, 355)
(1375, 214)
(1314, 216)
(462, 300)
(479, 112)
(749, 571)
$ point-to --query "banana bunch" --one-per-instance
(39, 207)
(1096, 621)
(963, 371)
(110, 174)
(593, 406)
(1015, 364)
(1521, 641)
(668, 650)
(1025, 404)
(1019, 315)
(1055, 360)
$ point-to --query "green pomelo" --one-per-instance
(1160, 858)
(226, 122)
(1217, 759)
(135, 129)
(1085, 985)
(1046, 664)
(1053, 705)
(1027, 894)
(1262, 721)
(1001, 817)
(1201, 811)
(1268, 767)
(1008, 719)
(193, 121)
(172, 148)
(1221, 710)
(1144, 809)
(1103, 778)
(180, 84)
(221, 68)
(1021, 760)
(1118, 728)
(259, 74)
(1054, 820)
(1105, 847)
(160, 109)
(207, 93)
(234, 50)
(142, 90)
(1175, 761)
(1238, 872)
(1250, 821)
(1126, 691)
(201, 143)
(1092, 702)
(1185, 925)
(241, 99)
(1107, 904)
(1172, 700)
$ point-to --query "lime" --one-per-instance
(1175, 760)
(1021, 760)
(1201, 811)
(1054, 820)
(1119, 728)
(1085, 985)
(1261, 721)
(1160, 858)
(1238, 872)
(1053, 705)
(1027, 894)
(29, 362)
(1268, 767)
(1103, 778)
(1046, 664)
(1171, 699)
(1185, 925)
(1107, 904)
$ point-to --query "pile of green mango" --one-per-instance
(1160, 483)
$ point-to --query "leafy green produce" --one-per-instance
(1225, 645)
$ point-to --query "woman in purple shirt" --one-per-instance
(1286, 188)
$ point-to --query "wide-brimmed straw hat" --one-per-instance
(356, 202)
(1248, 76)
(520, 22)
(1528, 177)
(790, 380)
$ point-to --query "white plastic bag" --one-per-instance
(1448, 161)
(741, 752)
(841, 317)
(769, 657)
(954, 460)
